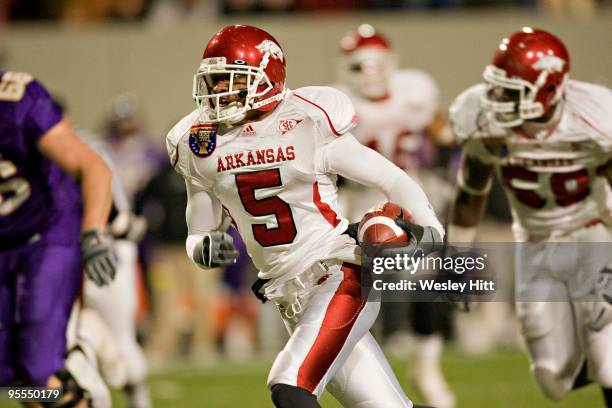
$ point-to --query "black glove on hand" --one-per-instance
(218, 249)
(99, 261)
(423, 240)
(352, 230)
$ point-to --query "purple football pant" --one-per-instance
(39, 283)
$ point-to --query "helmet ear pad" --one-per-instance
(269, 106)
(550, 93)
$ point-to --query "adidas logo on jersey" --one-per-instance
(248, 131)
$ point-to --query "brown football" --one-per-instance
(378, 225)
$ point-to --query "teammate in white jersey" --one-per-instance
(399, 118)
(116, 303)
(267, 157)
(549, 139)
(397, 110)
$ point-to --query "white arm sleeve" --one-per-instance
(347, 157)
(204, 213)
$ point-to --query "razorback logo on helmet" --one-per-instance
(287, 125)
(549, 63)
(272, 48)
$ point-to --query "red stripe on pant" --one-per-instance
(340, 317)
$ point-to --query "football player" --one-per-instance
(116, 303)
(267, 157)
(399, 118)
(549, 139)
(54, 203)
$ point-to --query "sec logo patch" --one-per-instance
(203, 139)
(286, 125)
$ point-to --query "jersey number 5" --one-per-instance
(247, 183)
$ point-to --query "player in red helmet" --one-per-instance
(549, 139)
(527, 78)
(266, 158)
(367, 63)
(252, 73)
(399, 118)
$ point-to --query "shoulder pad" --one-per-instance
(592, 105)
(464, 112)
(417, 93)
(176, 144)
(415, 82)
(328, 106)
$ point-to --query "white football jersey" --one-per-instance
(554, 180)
(267, 175)
(394, 126)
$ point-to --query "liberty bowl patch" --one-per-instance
(203, 139)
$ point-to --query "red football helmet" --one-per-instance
(527, 78)
(367, 62)
(246, 51)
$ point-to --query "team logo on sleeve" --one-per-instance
(203, 139)
(287, 125)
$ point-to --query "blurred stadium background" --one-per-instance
(210, 344)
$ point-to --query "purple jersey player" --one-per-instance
(54, 204)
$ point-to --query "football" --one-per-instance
(378, 225)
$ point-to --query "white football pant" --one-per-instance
(561, 334)
(116, 304)
(329, 322)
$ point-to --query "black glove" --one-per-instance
(256, 289)
(423, 240)
(352, 231)
(99, 261)
(601, 309)
(218, 249)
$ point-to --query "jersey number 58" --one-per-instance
(568, 188)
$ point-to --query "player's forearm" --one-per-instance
(468, 208)
(407, 193)
(440, 131)
(465, 216)
(204, 212)
(350, 159)
(194, 246)
(96, 190)
(473, 185)
(206, 226)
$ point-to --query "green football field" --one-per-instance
(499, 379)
